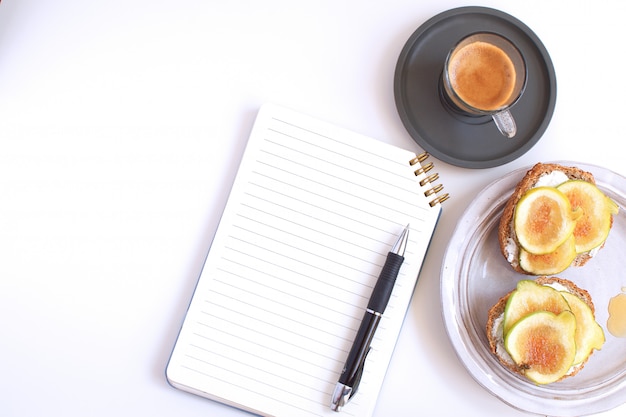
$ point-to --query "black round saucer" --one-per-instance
(466, 143)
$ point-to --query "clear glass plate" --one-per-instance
(475, 275)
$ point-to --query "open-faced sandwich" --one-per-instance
(555, 218)
(544, 330)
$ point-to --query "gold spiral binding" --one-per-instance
(419, 158)
(433, 190)
(431, 178)
(440, 199)
(423, 169)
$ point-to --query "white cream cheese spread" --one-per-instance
(552, 179)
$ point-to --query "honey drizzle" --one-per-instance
(616, 323)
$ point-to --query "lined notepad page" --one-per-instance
(312, 214)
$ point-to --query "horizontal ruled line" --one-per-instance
(257, 392)
(318, 195)
(309, 290)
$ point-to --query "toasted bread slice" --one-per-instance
(509, 244)
(496, 314)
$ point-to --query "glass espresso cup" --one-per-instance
(485, 74)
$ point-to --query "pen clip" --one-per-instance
(358, 375)
(343, 393)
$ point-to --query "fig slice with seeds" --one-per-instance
(530, 297)
(543, 345)
(549, 263)
(593, 227)
(589, 334)
(544, 219)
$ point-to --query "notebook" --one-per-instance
(310, 218)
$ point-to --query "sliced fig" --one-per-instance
(530, 297)
(543, 345)
(592, 228)
(543, 220)
(589, 334)
(549, 263)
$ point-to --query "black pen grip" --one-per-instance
(384, 285)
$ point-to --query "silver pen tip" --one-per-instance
(400, 246)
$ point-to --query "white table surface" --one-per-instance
(121, 127)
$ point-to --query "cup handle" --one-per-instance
(505, 123)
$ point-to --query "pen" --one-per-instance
(353, 369)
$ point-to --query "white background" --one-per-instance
(122, 124)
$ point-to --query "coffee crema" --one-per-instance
(482, 75)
